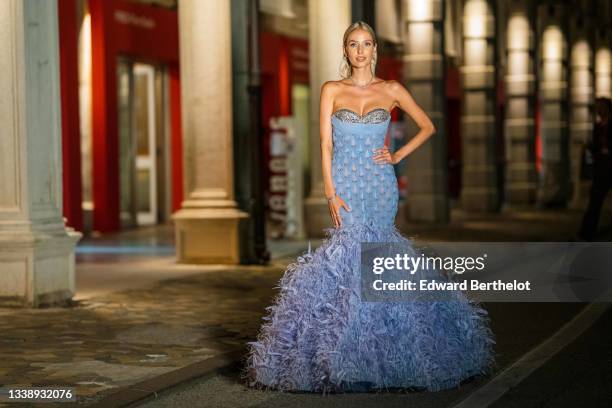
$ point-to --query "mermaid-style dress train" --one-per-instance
(320, 336)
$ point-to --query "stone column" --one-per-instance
(554, 176)
(248, 132)
(519, 123)
(327, 21)
(603, 62)
(478, 133)
(207, 224)
(36, 249)
(424, 77)
(581, 90)
(603, 55)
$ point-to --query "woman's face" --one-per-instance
(360, 48)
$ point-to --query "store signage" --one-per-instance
(285, 199)
(129, 18)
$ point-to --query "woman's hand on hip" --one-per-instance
(384, 156)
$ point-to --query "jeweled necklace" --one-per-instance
(364, 85)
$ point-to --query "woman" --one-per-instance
(601, 144)
(319, 335)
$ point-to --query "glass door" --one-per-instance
(145, 137)
(142, 142)
(127, 163)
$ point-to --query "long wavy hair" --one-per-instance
(346, 70)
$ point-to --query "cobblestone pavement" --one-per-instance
(103, 343)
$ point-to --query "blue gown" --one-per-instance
(320, 336)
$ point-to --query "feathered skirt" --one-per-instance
(320, 336)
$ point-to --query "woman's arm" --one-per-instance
(325, 129)
(325, 132)
(404, 100)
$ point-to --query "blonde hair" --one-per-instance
(346, 70)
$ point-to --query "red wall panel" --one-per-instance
(72, 190)
(176, 137)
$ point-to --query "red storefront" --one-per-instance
(121, 33)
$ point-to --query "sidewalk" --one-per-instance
(104, 343)
(173, 322)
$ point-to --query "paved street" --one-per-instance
(578, 376)
(114, 340)
(518, 328)
(138, 319)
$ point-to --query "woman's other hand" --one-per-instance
(334, 209)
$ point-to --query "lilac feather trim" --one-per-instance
(319, 336)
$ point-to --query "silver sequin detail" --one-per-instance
(377, 115)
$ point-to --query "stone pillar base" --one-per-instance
(427, 207)
(479, 199)
(208, 236)
(38, 268)
(552, 191)
(317, 217)
(580, 195)
(520, 195)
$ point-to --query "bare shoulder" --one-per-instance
(330, 86)
(397, 92)
(394, 86)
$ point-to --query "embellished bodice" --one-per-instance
(377, 115)
(369, 188)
